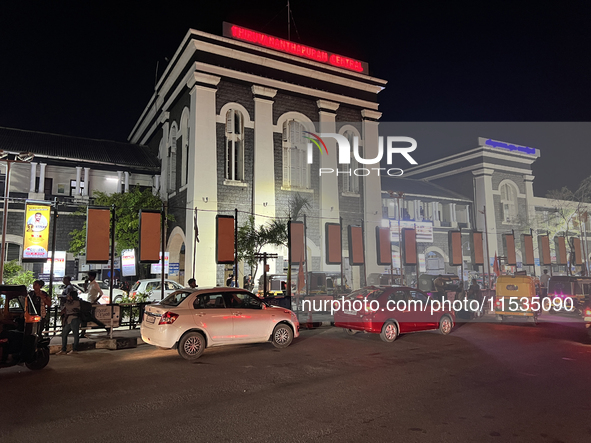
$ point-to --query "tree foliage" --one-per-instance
(252, 239)
(127, 206)
(568, 209)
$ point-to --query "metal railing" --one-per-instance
(131, 315)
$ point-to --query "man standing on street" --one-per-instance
(70, 322)
(192, 283)
(544, 283)
(94, 290)
(66, 291)
(41, 300)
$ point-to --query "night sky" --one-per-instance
(88, 68)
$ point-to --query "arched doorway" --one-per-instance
(176, 256)
(435, 263)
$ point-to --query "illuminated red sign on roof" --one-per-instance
(278, 44)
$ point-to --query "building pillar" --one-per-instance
(156, 185)
(417, 206)
(163, 154)
(264, 174)
(85, 190)
(436, 217)
(372, 188)
(119, 176)
(202, 191)
(483, 196)
(531, 215)
(329, 183)
(78, 175)
(42, 178)
(33, 176)
(126, 178)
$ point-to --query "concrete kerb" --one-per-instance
(122, 339)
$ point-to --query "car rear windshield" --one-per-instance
(137, 285)
(370, 293)
(175, 298)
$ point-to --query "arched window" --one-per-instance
(509, 202)
(351, 182)
(296, 172)
(234, 165)
(172, 159)
(185, 147)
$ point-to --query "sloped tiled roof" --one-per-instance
(68, 148)
(419, 187)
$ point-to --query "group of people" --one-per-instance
(75, 313)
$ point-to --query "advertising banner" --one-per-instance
(59, 267)
(424, 230)
(36, 237)
(128, 263)
(156, 268)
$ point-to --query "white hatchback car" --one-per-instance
(191, 321)
(151, 286)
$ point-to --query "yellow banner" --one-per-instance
(36, 238)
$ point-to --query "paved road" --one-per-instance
(484, 382)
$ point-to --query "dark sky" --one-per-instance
(88, 68)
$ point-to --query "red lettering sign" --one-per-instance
(268, 41)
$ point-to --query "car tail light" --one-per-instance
(587, 312)
(168, 318)
(499, 303)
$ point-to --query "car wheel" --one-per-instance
(191, 345)
(445, 325)
(282, 336)
(117, 299)
(389, 332)
(350, 331)
(40, 361)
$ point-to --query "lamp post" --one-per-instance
(9, 158)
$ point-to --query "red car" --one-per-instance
(390, 311)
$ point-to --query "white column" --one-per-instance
(417, 205)
(328, 183)
(126, 175)
(119, 175)
(264, 175)
(531, 215)
(42, 178)
(85, 190)
(372, 191)
(483, 197)
(78, 175)
(202, 181)
(156, 184)
(436, 218)
(33, 176)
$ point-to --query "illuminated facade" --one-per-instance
(228, 119)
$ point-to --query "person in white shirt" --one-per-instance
(94, 290)
(544, 282)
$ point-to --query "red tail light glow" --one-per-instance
(587, 312)
(168, 318)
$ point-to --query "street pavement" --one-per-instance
(483, 382)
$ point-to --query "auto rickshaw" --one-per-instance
(20, 335)
(516, 296)
(276, 285)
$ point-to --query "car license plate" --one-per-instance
(350, 312)
(150, 319)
